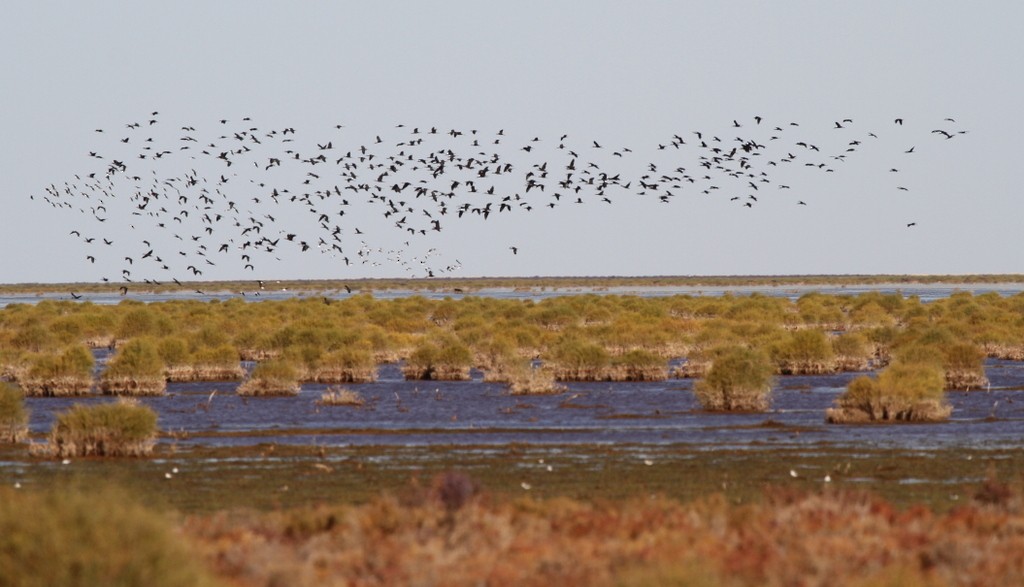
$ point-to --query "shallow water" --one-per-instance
(454, 414)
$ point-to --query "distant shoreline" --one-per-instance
(470, 284)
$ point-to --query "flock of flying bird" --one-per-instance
(238, 194)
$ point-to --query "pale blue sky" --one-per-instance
(625, 74)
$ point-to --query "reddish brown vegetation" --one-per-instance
(450, 534)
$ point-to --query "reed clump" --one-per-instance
(66, 374)
(273, 377)
(696, 365)
(125, 428)
(346, 365)
(448, 361)
(524, 378)
(217, 363)
(13, 414)
(638, 365)
(84, 536)
(578, 360)
(903, 392)
(853, 352)
(136, 369)
(804, 352)
(964, 364)
(740, 379)
(340, 396)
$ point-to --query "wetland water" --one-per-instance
(401, 413)
(618, 438)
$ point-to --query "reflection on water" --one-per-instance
(418, 413)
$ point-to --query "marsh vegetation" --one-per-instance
(457, 529)
(529, 345)
(114, 429)
(13, 414)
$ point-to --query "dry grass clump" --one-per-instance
(450, 534)
(66, 374)
(740, 379)
(273, 377)
(84, 536)
(136, 369)
(903, 392)
(124, 428)
(340, 396)
(13, 415)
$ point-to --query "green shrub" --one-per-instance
(739, 379)
(13, 415)
(121, 428)
(88, 536)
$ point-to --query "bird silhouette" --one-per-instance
(220, 193)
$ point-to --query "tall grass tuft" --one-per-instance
(525, 379)
(136, 369)
(273, 377)
(853, 352)
(346, 365)
(578, 360)
(907, 392)
(13, 415)
(740, 379)
(122, 428)
(449, 361)
(89, 536)
(66, 374)
(804, 352)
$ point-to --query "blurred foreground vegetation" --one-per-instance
(450, 530)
